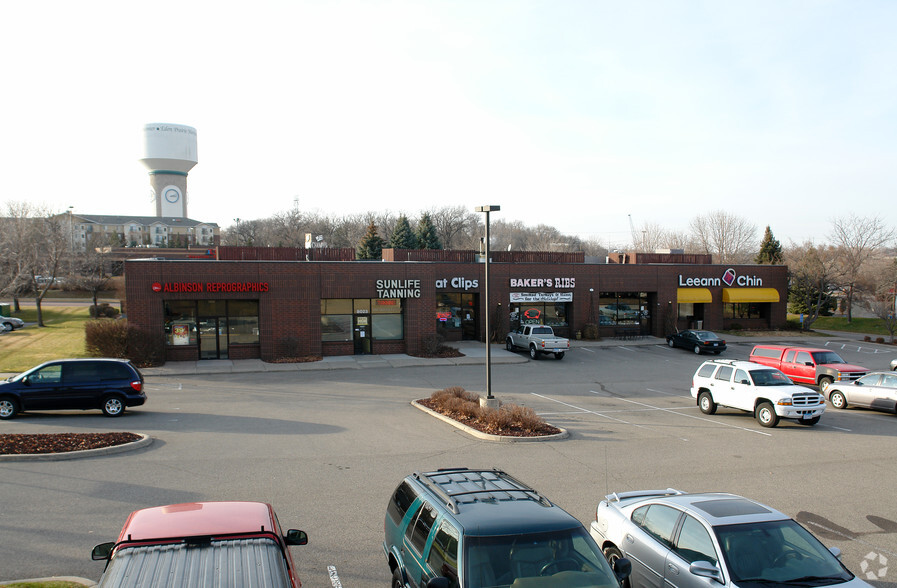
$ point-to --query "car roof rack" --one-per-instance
(449, 484)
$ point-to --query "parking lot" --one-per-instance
(327, 448)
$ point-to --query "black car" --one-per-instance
(697, 341)
(109, 385)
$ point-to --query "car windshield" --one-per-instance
(551, 560)
(769, 378)
(822, 357)
(778, 552)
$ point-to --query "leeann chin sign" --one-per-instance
(729, 278)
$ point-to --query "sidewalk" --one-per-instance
(474, 354)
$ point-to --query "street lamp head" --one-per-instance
(489, 208)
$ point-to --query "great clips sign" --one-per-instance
(214, 287)
(729, 278)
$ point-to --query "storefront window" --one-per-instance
(538, 313)
(180, 322)
(339, 314)
(243, 321)
(686, 310)
(448, 311)
(622, 308)
(744, 310)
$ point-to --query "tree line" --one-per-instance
(856, 265)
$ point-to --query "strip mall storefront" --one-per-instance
(284, 310)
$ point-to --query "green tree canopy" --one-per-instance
(371, 245)
(426, 233)
(403, 237)
(771, 252)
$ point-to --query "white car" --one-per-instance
(712, 540)
(11, 323)
(763, 391)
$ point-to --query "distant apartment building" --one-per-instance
(94, 230)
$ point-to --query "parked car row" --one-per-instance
(10, 323)
(481, 528)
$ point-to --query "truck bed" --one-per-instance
(250, 563)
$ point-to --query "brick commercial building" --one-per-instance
(309, 302)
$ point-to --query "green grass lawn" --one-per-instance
(874, 327)
(62, 336)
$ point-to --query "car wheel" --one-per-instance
(825, 381)
(397, 579)
(706, 403)
(838, 400)
(670, 343)
(9, 408)
(113, 406)
(809, 422)
(612, 555)
(533, 353)
(697, 350)
(509, 346)
(766, 415)
(7, 327)
(559, 355)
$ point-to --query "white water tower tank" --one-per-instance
(169, 153)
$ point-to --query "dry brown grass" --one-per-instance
(508, 419)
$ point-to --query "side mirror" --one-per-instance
(705, 569)
(296, 537)
(102, 551)
(438, 582)
(835, 551)
(746, 382)
(622, 568)
(808, 363)
(26, 381)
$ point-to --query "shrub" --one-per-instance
(106, 338)
(103, 310)
(879, 339)
(145, 348)
(465, 406)
(867, 338)
(590, 332)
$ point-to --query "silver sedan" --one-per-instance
(877, 390)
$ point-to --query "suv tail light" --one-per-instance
(137, 385)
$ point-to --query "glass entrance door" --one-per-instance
(212, 337)
(362, 334)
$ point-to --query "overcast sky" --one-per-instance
(574, 114)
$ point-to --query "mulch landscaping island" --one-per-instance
(18, 444)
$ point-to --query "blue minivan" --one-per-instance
(109, 385)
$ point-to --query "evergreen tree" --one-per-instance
(371, 246)
(403, 237)
(426, 233)
(770, 250)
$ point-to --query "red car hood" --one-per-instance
(846, 367)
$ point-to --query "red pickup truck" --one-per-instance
(807, 365)
(201, 544)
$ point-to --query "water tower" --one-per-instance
(169, 152)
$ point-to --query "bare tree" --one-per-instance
(730, 239)
(455, 225)
(859, 239)
(881, 284)
(815, 276)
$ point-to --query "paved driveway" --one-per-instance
(326, 448)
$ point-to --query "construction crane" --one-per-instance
(632, 230)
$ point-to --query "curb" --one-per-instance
(74, 579)
(488, 436)
(144, 441)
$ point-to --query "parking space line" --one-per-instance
(689, 415)
(603, 415)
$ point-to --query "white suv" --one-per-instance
(763, 391)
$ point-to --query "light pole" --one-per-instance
(490, 401)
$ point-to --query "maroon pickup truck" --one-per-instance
(807, 365)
